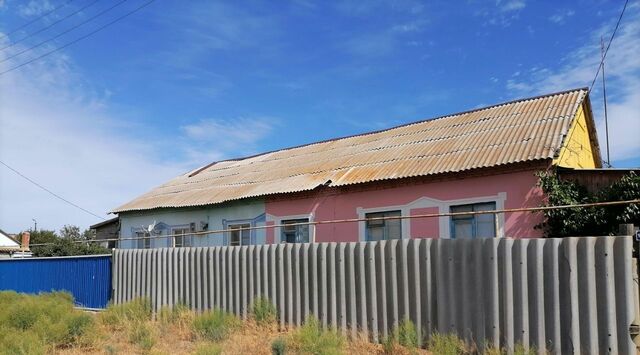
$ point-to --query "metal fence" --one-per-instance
(87, 278)
(571, 295)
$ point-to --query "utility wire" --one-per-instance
(353, 220)
(64, 32)
(80, 38)
(13, 43)
(608, 45)
(49, 191)
(36, 19)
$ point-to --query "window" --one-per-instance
(383, 229)
(239, 236)
(181, 237)
(473, 226)
(295, 233)
(143, 241)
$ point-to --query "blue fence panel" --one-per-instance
(87, 278)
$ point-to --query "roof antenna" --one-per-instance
(604, 95)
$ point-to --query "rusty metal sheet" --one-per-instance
(518, 131)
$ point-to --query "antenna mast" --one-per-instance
(604, 95)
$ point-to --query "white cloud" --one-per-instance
(560, 16)
(35, 8)
(213, 139)
(60, 130)
(511, 5)
(623, 83)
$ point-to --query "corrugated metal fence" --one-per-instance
(572, 295)
(87, 278)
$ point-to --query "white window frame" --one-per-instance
(443, 206)
(186, 233)
(277, 220)
(239, 223)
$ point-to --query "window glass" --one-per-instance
(142, 242)
(239, 236)
(181, 237)
(473, 226)
(295, 233)
(383, 229)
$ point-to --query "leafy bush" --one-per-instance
(214, 325)
(279, 346)
(312, 339)
(446, 344)
(264, 312)
(585, 221)
(117, 316)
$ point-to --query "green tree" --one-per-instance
(67, 244)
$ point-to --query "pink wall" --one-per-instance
(518, 188)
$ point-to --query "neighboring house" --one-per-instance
(482, 159)
(10, 247)
(108, 230)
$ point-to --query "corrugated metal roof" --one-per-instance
(517, 131)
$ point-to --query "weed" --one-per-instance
(208, 349)
(312, 339)
(15, 342)
(214, 325)
(446, 344)
(117, 316)
(279, 346)
(264, 312)
(140, 335)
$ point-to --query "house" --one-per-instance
(484, 159)
(108, 231)
(10, 247)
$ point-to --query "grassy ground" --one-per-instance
(48, 324)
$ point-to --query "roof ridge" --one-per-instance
(199, 170)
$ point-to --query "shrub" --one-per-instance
(405, 334)
(140, 335)
(49, 317)
(279, 346)
(15, 342)
(446, 344)
(264, 312)
(117, 316)
(214, 325)
(312, 339)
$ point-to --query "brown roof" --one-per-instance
(523, 130)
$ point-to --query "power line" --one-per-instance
(49, 191)
(354, 220)
(608, 45)
(36, 19)
(79, 38)
(13, 43)
(64, 32)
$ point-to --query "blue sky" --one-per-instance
(179, 84)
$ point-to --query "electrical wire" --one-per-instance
(49, 191)
(354, 220)
(64, 32)
(35, 19)
(608, 45)
(79, 38)
(13, 43)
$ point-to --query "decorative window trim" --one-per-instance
(427, 202)
(277, 220)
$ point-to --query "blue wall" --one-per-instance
(87, 278)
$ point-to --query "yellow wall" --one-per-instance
(577, 151)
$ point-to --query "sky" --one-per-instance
(179, 84)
